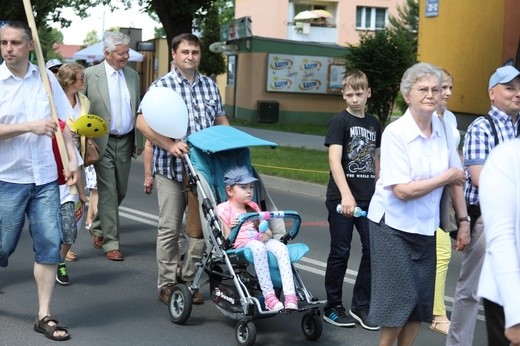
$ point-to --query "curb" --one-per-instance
(311, 189)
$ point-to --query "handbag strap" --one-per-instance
(493, 128)
(83, 146)
(446, 136)
(445, 132)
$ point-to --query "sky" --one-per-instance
(100, 19)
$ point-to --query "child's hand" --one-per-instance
(233, 223)
(348, 203)
(263, 237)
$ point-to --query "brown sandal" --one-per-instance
(43, 326)
(441, 326)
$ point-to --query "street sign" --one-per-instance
(432, 8)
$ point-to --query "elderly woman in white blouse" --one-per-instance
(416, 165)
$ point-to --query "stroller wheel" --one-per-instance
(180, 304)
(312, 326)
(245, 331)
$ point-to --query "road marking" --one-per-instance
(311, 266)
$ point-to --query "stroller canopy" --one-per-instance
(220, 137)
(216, 149)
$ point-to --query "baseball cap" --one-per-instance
(238, 175)
(504, 74)
(53, 63)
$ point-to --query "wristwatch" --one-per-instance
(465, 218)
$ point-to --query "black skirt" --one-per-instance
(403, 276)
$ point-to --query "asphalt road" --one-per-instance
(114, 303)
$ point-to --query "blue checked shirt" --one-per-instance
(479, 141)
(204, 105)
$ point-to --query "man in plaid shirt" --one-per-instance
(205, 109)
(504, 93)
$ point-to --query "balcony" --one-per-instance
(322, 34)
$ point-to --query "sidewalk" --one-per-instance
(290, 139)
(285, 184)
(287, 139)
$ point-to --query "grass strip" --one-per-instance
(292, 163)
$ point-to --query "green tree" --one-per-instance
(227, 10)
(90, 38)
(212, 64)
(159, 32)
(383, 57)
(46, 11)
(48, 38)
(406, 25)
(176, 16)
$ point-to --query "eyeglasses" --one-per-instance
(424, 91)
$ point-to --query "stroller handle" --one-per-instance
(266, 215)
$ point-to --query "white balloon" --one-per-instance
(165, 112)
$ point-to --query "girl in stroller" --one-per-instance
(239, 188)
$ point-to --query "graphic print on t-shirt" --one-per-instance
(360, 152)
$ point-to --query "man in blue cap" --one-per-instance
(499, 125)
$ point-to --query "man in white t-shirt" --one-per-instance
(28, 172)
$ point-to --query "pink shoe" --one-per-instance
(272, 303)
(291, 302)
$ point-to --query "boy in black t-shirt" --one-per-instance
(353, 138)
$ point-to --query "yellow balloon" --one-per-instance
(90, 125)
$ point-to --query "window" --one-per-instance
(371, 18)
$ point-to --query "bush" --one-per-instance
(383, 57)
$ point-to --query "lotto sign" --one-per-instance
(304, 74)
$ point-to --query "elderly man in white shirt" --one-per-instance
(499, 285)
(28, 171)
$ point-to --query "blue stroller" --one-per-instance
(234, 287)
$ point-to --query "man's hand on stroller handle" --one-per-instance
(179, 148)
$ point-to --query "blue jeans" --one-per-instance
(341, 229)
(41, 204)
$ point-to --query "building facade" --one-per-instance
(470, 38)
(342, 21)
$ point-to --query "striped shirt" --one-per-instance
(479, 141)
(204, 104)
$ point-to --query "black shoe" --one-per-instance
(337, 317)
(62, 276)
(361, 315)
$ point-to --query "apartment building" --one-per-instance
(470, 38)
(339, 22)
